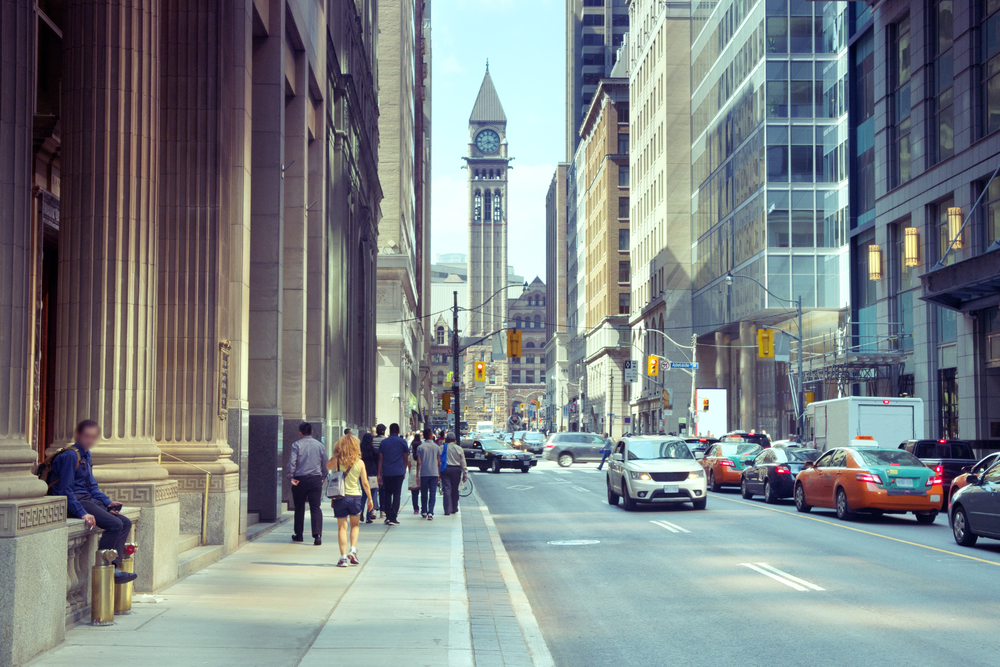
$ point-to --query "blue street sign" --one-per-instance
(684, 365)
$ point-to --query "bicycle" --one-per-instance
(464, 489)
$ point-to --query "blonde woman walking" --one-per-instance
(347, 459)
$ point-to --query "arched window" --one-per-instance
(440, 377)
(477, 207)
(488, 208)
(538, 322)
(518, 323)
(529, 344)
(497, 206)
(440, 336)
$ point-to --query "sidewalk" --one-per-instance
(277, 603)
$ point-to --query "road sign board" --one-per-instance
(631, 371)
(684, 365)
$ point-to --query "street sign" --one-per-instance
(684, 365)
(631, 371)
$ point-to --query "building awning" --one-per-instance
(971, 284)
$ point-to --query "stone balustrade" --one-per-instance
(82, 553)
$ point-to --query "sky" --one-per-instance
(524, 41)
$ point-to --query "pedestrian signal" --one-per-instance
(480, 371)
(513, 343)
(653, 366)
(704, 405)
(765, 342)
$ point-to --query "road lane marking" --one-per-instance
(856, 530)
(561, 472)
(520, 487)
(592, 472)
(787, 582)
(801, 582)
(672, 527)
(580, 488)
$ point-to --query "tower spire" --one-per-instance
(487, 64)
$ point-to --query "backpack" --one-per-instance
(44, 469)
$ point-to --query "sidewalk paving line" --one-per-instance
(532, 633)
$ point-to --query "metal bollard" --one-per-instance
(123, 592)
(102, 588)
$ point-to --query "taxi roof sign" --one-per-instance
(863, 437)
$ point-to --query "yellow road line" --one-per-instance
(856, 530)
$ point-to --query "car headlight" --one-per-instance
(640, 475)
(695, 474)
(509, 457)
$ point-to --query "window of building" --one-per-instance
(623, 112)
(488, 206)
(947, 325)
(624, 303)
(538, 322)
(777, 219)
(593, 3)
(777, 154)
(493, 376)
(991, 212)
(497, 207)
(440, 336)
(623, 212)
(777, 26)
(518, 323)
(593, 19)
(902, 280)
(477, 207)
(948, 396)
(620, 20)
(529, 376)
(541, 377)
(623, 176)
(617, 40)
(623, 143)
(515, 376)
(990, 64)
(864, 302)
(863, 202)
(803, 151)
(801, 90)
(440, 377)
(591, 78)
(942, 128)
(623, 240)
(593, 59)
(623, 273)
(803, 219)
(530, 359)
(800, 34)
(899, 103)
(593, 40)
(940, 213)
(777, 89)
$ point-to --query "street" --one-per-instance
(740, 581)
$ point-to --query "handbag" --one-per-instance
(444, 458)
(336, 486)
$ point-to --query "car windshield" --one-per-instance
(881, 457)
(534, 437)
(944, 450)
(798, 455)
(731, 449)
(644, 450)
(493, 444)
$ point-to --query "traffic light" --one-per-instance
(480, 371)
(653, 366)
(765, 342)
(522, 407)
(446, 402)
(513, 343)
(704, 405)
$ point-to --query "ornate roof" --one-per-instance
(487, 108)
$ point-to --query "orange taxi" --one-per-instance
(724, 463)
(978, 469)
(866, 478)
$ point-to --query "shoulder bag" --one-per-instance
(336, 486)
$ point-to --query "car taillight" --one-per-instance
(938, 470)
(869, 477)
(726, 463)
(549, 446)
(931, 481)
(782, 470)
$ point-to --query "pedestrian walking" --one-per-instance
(609, 444)
(414, 474)
(393, 460)
(454, 474)
(306, 474)
(347, 459)
(379, 437)
(430, 471)
(370, 458)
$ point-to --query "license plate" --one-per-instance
(901, 482)
(935, 498)
(670, 488)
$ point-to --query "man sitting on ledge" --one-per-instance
(74, 479)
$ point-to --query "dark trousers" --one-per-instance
(428, 494)
(451, 481)
(416, 499)
(116, 527)
(308, 490)
(392, 486)
(364, 503)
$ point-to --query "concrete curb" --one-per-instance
(533, 639)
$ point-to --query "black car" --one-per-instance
(700, 445)
(773, 472)
(747, 436)
(492, 454)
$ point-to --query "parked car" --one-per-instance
(725, 460)
(700, 445)
(879, 481)
(773, 472)
(975, 511)
(494, 455)
(533, 441)
(567, 448)
(962, 480)
(747, 436)
(655, 469)
(946, 458)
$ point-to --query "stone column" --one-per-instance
(193, 347)
(748, 376)
(106, 345)
(32, 525)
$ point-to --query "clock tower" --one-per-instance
(487, 165)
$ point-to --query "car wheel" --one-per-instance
(627, 501)
(800, 499)
(960, 528)
(565, 459)
(483, 468)
(700, 503)
(926, 518)
(768, 493)
(744, 491)
(525, 468)
(496, 467)
(844, 512)
(711, 482)
(612, 496)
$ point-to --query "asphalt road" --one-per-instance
(698, 591)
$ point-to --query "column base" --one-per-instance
(264, 463)
(223, 508)
(33, 557)
(157, 531)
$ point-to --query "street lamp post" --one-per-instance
(798, 305)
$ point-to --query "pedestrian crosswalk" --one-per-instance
(554, 471)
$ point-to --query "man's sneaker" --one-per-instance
(124, 577)
(296, 538)
(423, 515)
(343, 562)
(430, 517)
(352, 556)
(392, 522)
(318, 541)
(387, 522)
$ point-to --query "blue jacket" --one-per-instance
(74, 481)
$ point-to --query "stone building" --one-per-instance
(189, 260)
(441, 369)
(556, 333)
(403, 301)
(526, 386)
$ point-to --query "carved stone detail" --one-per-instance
(17, 518)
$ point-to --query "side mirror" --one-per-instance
(617, 456)
(807, 465)
(965, 470)
(699, 456)
(972, 479)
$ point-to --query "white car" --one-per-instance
(655, 469)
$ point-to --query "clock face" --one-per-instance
(488, 141)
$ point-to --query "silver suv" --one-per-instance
(655, 469)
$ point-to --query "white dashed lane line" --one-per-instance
(672, 527)
(785, 578)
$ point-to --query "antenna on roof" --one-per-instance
(487, 64)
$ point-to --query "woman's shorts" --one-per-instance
(347, 506)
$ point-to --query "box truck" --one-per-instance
(711, 413)
(888, 421)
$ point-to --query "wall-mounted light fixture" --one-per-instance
(955, 227)
(911, 247)
(874, 262)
